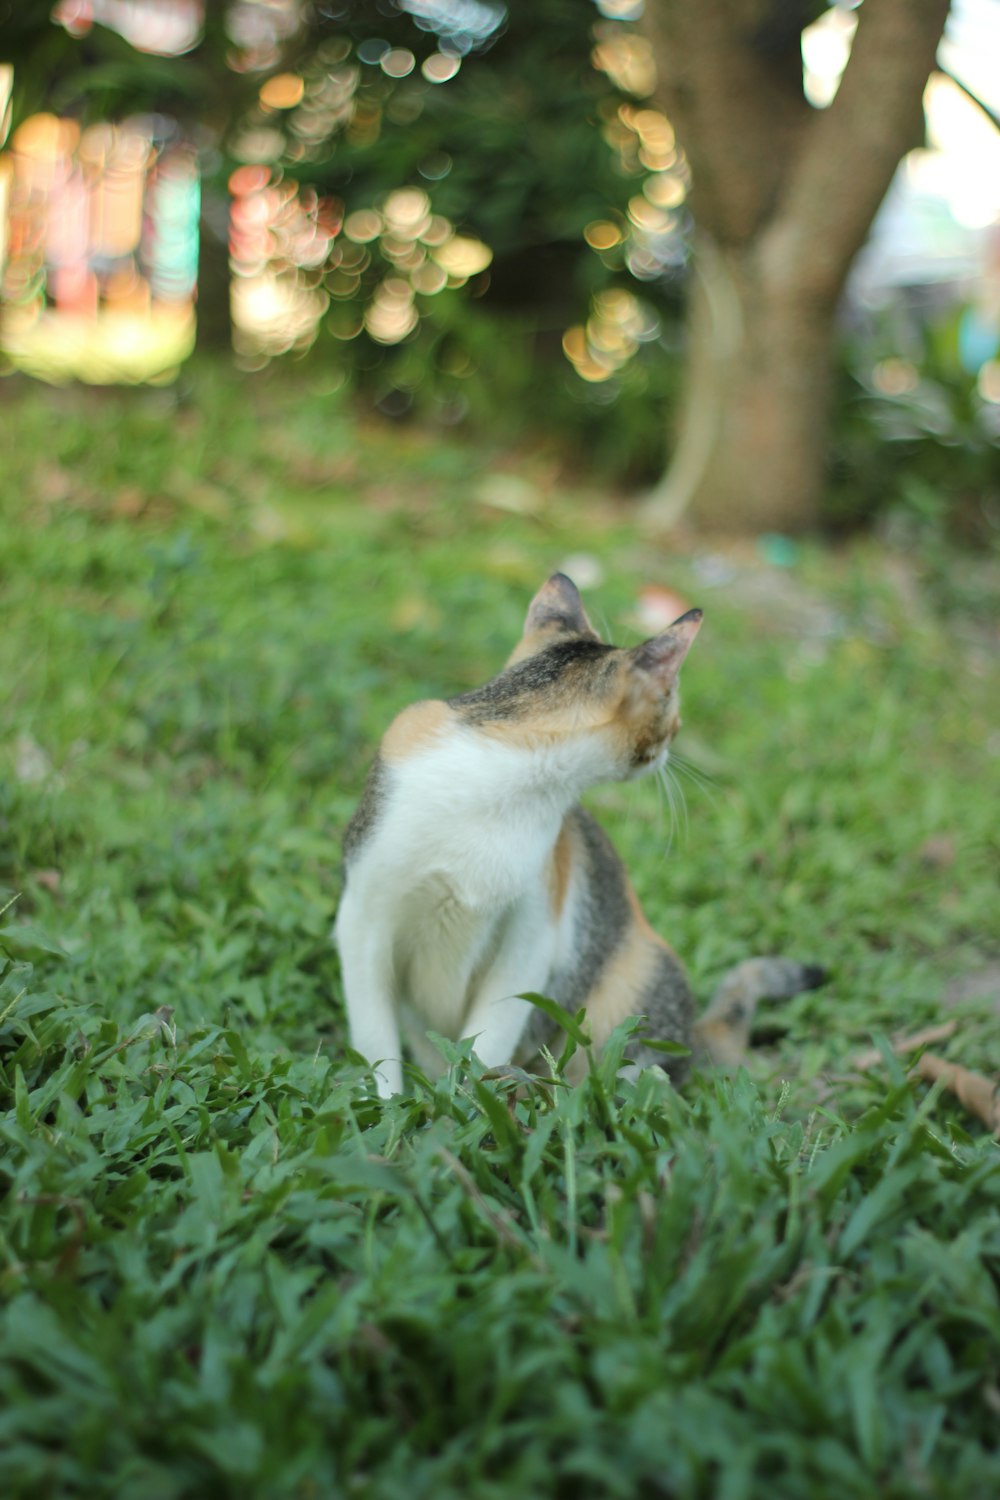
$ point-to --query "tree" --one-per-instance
(783, 197)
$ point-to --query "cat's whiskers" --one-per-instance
(701, 779)
(655, 776)
(669, 791)
(675, 791)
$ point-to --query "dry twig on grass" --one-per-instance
(901, 1043)
(979, 1094)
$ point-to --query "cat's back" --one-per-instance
(612, 962)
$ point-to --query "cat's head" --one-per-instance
(562, 684)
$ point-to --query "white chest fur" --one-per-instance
(481, 813)
(446, 912)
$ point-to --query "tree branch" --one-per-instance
(733, 93)
(970, 94)
(850, 151)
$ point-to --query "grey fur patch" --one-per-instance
(722, 1034)
(515, 692)
(602, 920)
(367, 811)
(736, 997)
(668, 1006)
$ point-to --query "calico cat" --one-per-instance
(472, 876)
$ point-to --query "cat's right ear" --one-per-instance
(662, 656)
(558, 606)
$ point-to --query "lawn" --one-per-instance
(226, 1268)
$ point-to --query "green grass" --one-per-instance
(227, 1269)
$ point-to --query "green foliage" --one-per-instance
(229, 1272)
(225, 1267)
(490, 352)
(923, 450)
(503, 379)
(465, 140)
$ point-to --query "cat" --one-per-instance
(473, 877)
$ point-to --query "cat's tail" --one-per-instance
(722, 1033)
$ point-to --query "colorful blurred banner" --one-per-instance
(100, 274)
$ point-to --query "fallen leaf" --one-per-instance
(977, 1093)
(937, 852)
(871, 1057)
(129, 502)
(980, 1095)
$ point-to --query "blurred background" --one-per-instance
(659, 238)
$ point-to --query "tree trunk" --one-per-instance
(783, 196)
(750, 450)
(214, 325)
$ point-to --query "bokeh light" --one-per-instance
(280, 242)
(602, 234)
(422, 253)
(462, 26)
(895, 377)
(621, 10)
(618, 323)
(165, 28)
(282, 91)
(259, 30)
(438, 68)
(398, 62)
(463, 257)
(363, 226)
(652, 240)
(988, 381)
(626, 58)
(391, 314)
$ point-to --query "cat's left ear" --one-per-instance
(558, 605)
(662, 656)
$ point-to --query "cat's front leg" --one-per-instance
(498, 1017)
(366, 966)
(497, 1022)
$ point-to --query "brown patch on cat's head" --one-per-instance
(563, 682)
(414, 729)
(649, 715)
